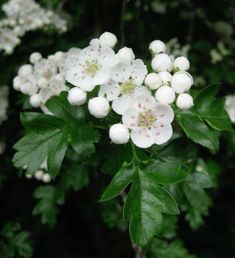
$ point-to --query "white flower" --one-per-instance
(119, 134)
(35, 57)
(181, 82)
(91, 67)
(184, 101)
(126, 55)
(149, 121)
(77, 97)
(125, 84)
(98, 107)
(165, 95)
(45, 68)
(153, 81)
(35, 100)
(181, 64)
(157, 47)
(108, 39)
(162, 62)
(165, 77)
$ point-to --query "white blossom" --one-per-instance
(157, 47)
(165, 95)
(77, 97)
(181, 82)
(181, 63)
(184, 101)
(162, 62)
(153, 81)
(119, 134)
(98, 107)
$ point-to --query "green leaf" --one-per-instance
(197, 130)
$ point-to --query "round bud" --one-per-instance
(119, 134)
(181, 64)
(77, 97)
(28, 88)
(157, 47)
(162, 62)
(184, 101)
(46, 178)
(42, 83)
(153, 81)
(165, 95)
(98, 107)
(35, 57)
(35, 100)
(28, 176)
(126, 55)
(108, 39)
(165, 77)
(17, 82)
(26, 70)
(38, 174)
(181, 82)
(58, 55)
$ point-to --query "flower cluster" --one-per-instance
(41, 174)
(230, 107)
(44, 77)
(23, 16)
(141, 99)
(3, 103)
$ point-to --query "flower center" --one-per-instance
(127, 87)
(92, 68)
(146, 119)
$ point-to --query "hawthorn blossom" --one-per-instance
(149, 121)
(91, 67)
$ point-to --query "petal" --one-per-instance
(164, 113)
(141, 90)
(143, 102)
(121, 73)
(142, 138)
(110, 90)
(107, 57)
(130, 118)
(101, 77)
(138, 71)
(162, 132)
(121, 104)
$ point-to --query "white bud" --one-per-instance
(42, 83)
(108, 39)
(46, 178)
(25, 70)
(153, 81)
(162, 62)
(77, 97)
(17, 82)
(126, 55)
(119, 134)
(98, 107)
(58, 55)
(165, 77)
(28, 88)
(35, 57)
(38, 174)
(184, 101)
(28, 176)
(181, 82)
(165, 95)
(35, 100)
(181, 63)
(157, 47)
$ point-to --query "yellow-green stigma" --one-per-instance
(127, 87)
(92, 68)
(146, 119)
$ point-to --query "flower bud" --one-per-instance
(98, 107)
(126, 55)
(17, 82)
(162, 62)
(38, 174)
(42, 83)
(28, 88)
(108, 39)
(28, 176)
(46, 178)
(184, 101)
(165, 77)
(35, 57)
(181, 82)
(181, 64)
(165, 95)
(58, 55)
(35, 100)
(25, 70)
(77, 97)
(119, 134)
(153, 81)
(157, 47)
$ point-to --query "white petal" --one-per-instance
(121, 104)
(101, 77)
(162, 132)
(164, 113)
(138, 71)
(121, 72)
(141, 90)
(143, 102)
(142, 138)
(110, 90)
(130, 118)
(107, 57)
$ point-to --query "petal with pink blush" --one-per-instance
(110, 90)
(130, 118)
(164, 113)
(143, 102)
(142, 138)
(121, 104)
(162, 132)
